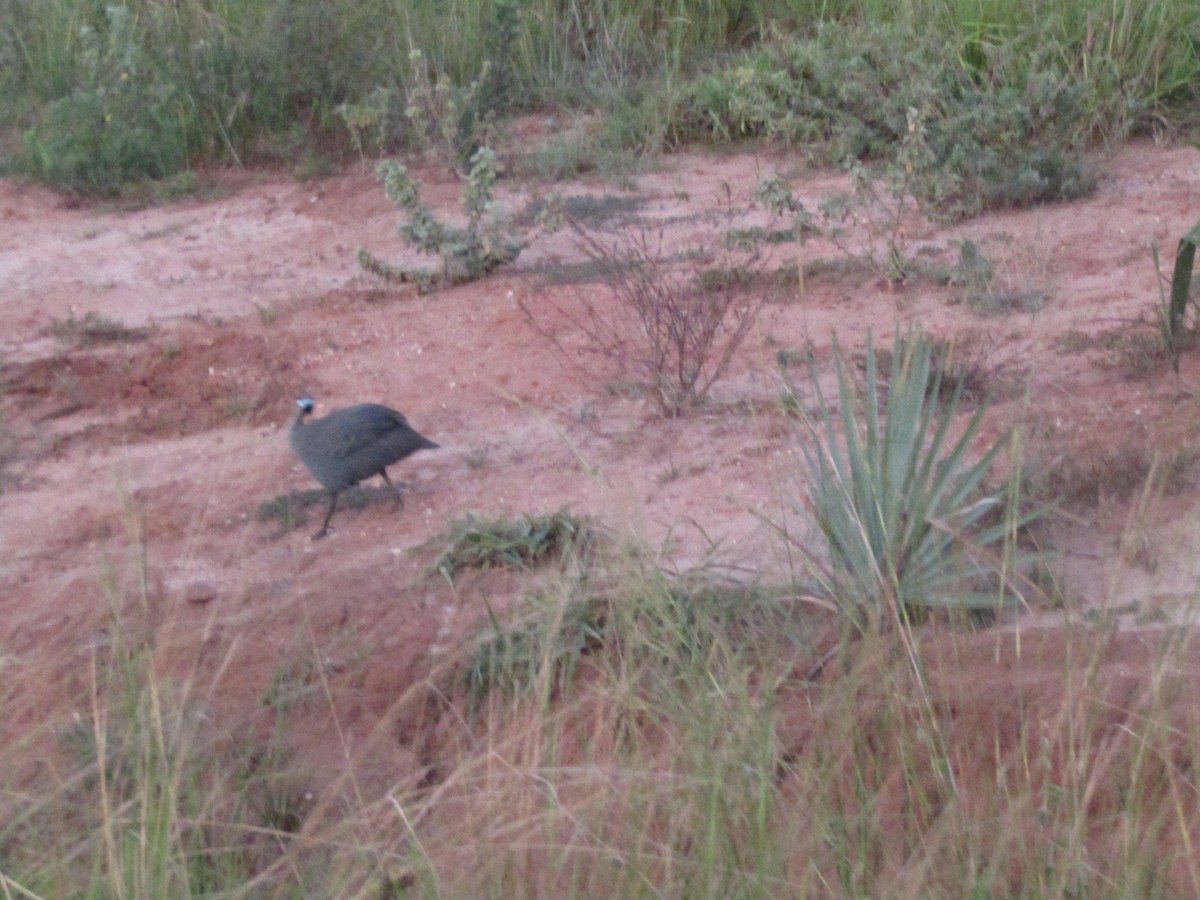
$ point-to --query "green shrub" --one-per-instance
(852, 94)
(119, 123)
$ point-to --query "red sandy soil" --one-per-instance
(163, 448)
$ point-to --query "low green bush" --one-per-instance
(850, 94)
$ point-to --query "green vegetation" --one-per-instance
(621, 729)
(631, 732)
(487, 243)
(100, 95)
(958, 139)
(1173, 309)
(898, 504)
(476, 543)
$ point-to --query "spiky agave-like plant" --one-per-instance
(898, 502)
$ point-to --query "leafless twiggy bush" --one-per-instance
(675, 328)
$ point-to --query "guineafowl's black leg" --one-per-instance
(328, 515)
(399, 499)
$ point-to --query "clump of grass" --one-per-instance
(116, 124)
(1137, 354)
(95, 328)
(546, 640)
(1088, 477)
(520, 543)
(678, 621)
(155, 803)
(605, 211)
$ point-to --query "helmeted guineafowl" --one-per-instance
(351, 444)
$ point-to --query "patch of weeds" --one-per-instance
(787, 357)
(750, 239)
(95, 328)
(1013, 138)
(8, 455)
(668, 627)
(675, 471)
(745, 278)
(1086, 477)
(848, 268)
(300, 678)
(959, 366)
(790, 403)
(1178, 469)
(282, 808)
(669, 474)
(1108, 617)
(1135, 355)
(1047, 586)
(119, 123)
(615, 146)
(267, 315)
(676, 331)
(443, 117)
(467, 254)
(625, 388)
(288, 509)
(588, 271)
(278, 799)
(155, 234)
(238, 405)
(477, 458)
(1075, 341)
(1005, 301)
(870, 223)
(371, 122)
(547, 640)
(519, 543)
(178, 186)
(311, 164)
(973, 272)
(290, 685)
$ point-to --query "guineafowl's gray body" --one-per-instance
(351, 444)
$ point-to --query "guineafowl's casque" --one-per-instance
(351, 444)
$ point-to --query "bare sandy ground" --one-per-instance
(134, 469)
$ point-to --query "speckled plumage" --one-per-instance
(352, 444)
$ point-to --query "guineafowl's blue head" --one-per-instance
(306, 405)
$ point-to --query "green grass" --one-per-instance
(100, 96)
(475, 543)
(626, 732)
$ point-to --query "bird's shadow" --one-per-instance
(290, 510)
